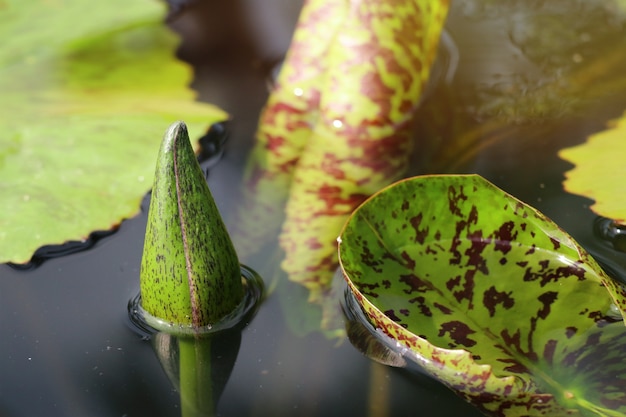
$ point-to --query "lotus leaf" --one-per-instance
(490, 297)
(600, 169)
(87, 90)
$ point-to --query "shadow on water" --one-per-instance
(66, 349)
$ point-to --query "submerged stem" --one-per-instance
(379, 391)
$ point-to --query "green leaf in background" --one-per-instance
(490, 297)
(86, 91)
(600, 169)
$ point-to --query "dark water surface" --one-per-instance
(66, 347)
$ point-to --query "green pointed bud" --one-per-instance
(190, 274)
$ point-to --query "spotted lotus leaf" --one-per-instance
(490, 297)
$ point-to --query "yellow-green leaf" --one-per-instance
(83, 106)
(600, 169)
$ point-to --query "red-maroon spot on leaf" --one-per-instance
(475, 251)
(430, 251)
(459, 332)
(453, 282)
(504, 236)
(546, 299)
(596, 315)
(408, 261)
(492, 297)
(392, 315)
(420, 234)
(455, 199)
(570, 331)
(421, 304)
(443, 309)
(549, 349)
(415, 283)
(513, 340)
(274, 142)
(467, 291)
(332, 196)
(368, 289)
(313, 243)
(473, 216)
(515, 366)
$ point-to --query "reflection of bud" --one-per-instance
(198, 368)
(190, 274)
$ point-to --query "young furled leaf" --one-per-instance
(378, 65)
(285, 126)
(336, 127)
(490, 297)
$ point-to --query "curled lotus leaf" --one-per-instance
(489, 296)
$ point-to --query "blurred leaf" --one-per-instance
(490, 297)
(600, 167)
(326, 140)
(285, 126)
(87, 90)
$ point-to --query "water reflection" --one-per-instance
(254, 288)
(369, 340)
(198, 367)
(612, 232)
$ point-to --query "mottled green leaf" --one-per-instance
(190, 273)
(489, 296)
(87, 90)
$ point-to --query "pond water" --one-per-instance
(67, 348)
